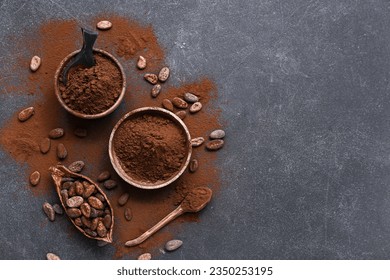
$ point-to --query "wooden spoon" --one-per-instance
(194, 201)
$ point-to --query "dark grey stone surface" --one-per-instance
(304, 89)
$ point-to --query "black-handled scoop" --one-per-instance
(85, 56)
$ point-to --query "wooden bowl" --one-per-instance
(116, 162)
(60, 68)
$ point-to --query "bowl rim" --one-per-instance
(115, 161)
(82, 115)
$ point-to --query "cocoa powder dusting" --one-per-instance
(151, 148)
(92, 90)
(21, 140)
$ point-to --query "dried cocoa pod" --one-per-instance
(76, 215)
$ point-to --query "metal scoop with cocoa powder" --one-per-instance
(194, 201)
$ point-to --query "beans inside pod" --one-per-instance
(58, 173)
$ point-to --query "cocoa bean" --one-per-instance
(190, 97)
(145, 257)
(35, 63)
(215, 145)
(128, 214)
(76, 166)
(88, 190)
(61, 151)
(67, 185)
(73, 212)
(49, 211)
(105, 175)
(85, 209)
(123, 199)
(52, 257)
(86, 222)
(167, 104)
(179, 103)
(72, 190)
(104, 25)
(79, 188)
(58, 209)
(101, 230)
(173, 245)
(181, 114)
(75, 201)
(156, 90)
(151, 78)
(196, 107)
(193, 165)
(94, 223)
(44, 146)
(107, 221)
(64, 195)
(109, 184)
(217, 134)
(56, 133)
(25, 114)
(163, 75)
(196, 142)
(95, 203)
(35, 177)
(100, 197)
(141, 62)
(90, 232)
(78, 222)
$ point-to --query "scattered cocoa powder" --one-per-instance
(21, 140)
(92, 90)
(150, 147)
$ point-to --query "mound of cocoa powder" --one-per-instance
(92, 90)
(151, 148)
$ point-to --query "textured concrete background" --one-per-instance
(304, 89)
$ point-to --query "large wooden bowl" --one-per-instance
(116, 162)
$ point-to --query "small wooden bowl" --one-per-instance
(116, 162)
(60, 68)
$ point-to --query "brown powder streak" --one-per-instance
(21, 140)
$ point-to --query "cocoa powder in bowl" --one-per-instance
(150, 147)
(91, 92)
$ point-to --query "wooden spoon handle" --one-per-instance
(170, 217)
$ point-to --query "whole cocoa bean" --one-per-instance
(109, 184)
(73, 212)
(167, 104)
(179, 103)
(95, 202)
(44, 146)
(76, 166)
(105, 175)
(85, 209)
(25, 114)
(61, 151)
(101, 230)
(215, 145)
(49, 211)
(123, 199)
(75, 201)
(107, 221)
(35, 177)
(56, 133)
(190, 97)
